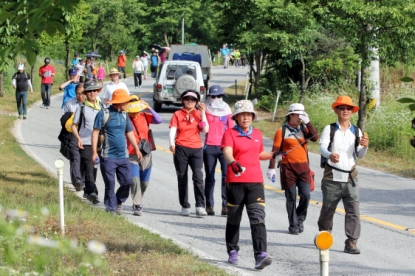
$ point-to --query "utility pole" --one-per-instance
(183, 28)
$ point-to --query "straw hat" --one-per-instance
(345, 100)
(135, 105)
(114, 71)
(120, 96)
(244, 106)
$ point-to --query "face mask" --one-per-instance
(216, 103)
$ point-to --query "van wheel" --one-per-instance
(156, 106)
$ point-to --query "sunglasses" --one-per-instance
(342, 108)
(218, 96)
(189, 99)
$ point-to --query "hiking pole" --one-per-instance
(59, 163)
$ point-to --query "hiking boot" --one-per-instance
(351, 247)
(200, 211)
(262, 260)
(93, 198)
(186, 212)
(301, 230)
(233, 257)
(119, 209)
(210, 211)
(224, 211)
(78, 186)
(138, 209)
(293, 231)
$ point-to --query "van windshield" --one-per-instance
(174, 71)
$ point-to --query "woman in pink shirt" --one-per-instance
(219, 117)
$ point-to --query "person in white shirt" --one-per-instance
(113, 85)
(144, 60)
(138, 70)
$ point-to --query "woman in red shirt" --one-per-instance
(186, 145)
(141, 169)
(243, 148)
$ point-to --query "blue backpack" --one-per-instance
(154, 60)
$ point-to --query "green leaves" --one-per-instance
(409, 101)
(406, 79)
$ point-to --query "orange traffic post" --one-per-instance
(323, 241)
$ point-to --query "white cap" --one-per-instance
(20, 66)
(296, 108)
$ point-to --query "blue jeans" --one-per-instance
(45, 90)
(21, 100)
(211, 154)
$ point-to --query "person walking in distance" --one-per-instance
(46, 72)
(225, 55)
(341, 143)
(82, 127)
(138, 70)
(154, 63)
(186, 145)
(121, 61)
(113, 85)
(114, 158)
(101, 74)
(144, 60)
(141, 115)
(219, 117)
(243, 149)
(292, 138)
(21, 83)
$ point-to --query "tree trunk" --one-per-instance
(361, 122)
(257, 73)
(302, 88)
(1, 84)
(166, 39)
(68, 57)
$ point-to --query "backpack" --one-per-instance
(154, 60)
(333, 128)
(101, 134)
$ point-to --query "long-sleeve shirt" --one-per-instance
(22, 81)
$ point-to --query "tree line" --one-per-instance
(303, 44)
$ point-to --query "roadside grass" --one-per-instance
(131, 250)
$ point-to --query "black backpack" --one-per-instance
(333, 126)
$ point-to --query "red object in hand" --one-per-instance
(236, 167)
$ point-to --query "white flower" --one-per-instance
(96, 247)
(45, 211)
(37, 240)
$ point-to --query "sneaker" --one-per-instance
(78, 186)
(136, 87)
(301, 230)
(200, 211)
(19, 117)
(119, 209)
(139, 86)
(85, 195)
(210, 211)
(24, 117)
(351, 247)
(93, 198)
(47, 107)
(262, 260)
(186, 212)
(224, 211)
(233, 257)
(294, 231)
(137, 210)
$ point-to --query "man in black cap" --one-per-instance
(46, 72)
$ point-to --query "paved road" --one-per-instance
(387, 205)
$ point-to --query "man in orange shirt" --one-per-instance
(122, 59)
(291, 140)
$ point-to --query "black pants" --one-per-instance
(88, 170)
(122, 69)
(153, 70)
(297, 215)
(211, 154)
(252, 196)
(183, 158)
(137, 79)
(45, 92)
(75, 161)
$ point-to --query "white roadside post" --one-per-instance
(276, 103)
(323, 241)
(59, 164)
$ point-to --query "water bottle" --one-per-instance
(96, 162)
(273, 179)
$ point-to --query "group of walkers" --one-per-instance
(232, 57)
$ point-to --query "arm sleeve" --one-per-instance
(324, 142)
(29, 83)
(276, 146)
(155, 118)
(361, 151)
(14, 82)
(172, 135)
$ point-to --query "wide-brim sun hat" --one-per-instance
(135, 105)
(345, 100)
(296, 108)
(120, 96)
(190, 93)
(114, 71)
(91, 86)
(216, 90)
(244, 106)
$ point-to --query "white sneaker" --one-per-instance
(200, 211)
(186, 212)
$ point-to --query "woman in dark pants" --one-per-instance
(218, 114)
(186, 146)
(243, 148)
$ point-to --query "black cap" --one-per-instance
(47, 60)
